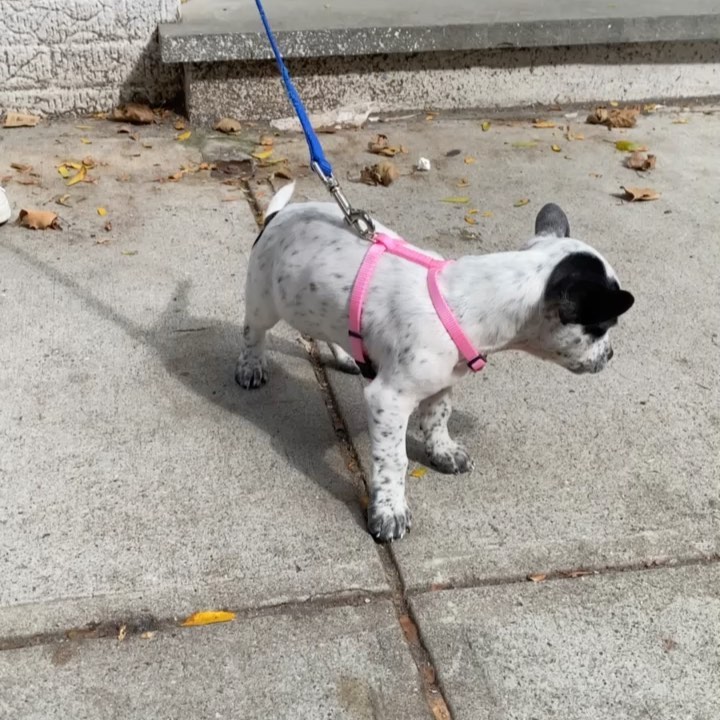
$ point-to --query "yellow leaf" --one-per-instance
(470, 220)
(521, 202)
(79, 176)
(129, 252)
(543, 124)
(485, 126)
(184, 136)
(456, 200)
(472, 212)
(419, 472)
(73, 165)
(681, 121)
(86, 141)
(63, 170)
(469, 160)
(263, 154)
(628, 146)
(207, 617)
(487, 213)
(555, 148)
(525, 144)
(614, 103)
(102, 212)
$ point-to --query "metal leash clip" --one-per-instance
(359, 219)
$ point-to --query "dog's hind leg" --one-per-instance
(260, 315)
(344, 362)
(444, 453)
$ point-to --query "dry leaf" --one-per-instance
(633, 193)
(430, 116)
(63, 170)
(79, 176)
(14, 119)
(207, 617)
(38, 219)
(384, 173)
(537, 577)
(669, 644)
(418, 472)
(284, 173)
(523, 144)
(124, 129)
(649, 108)
(262, 153)
(469, 160)
(63, 200)
(133, 113)
(487, 213)
(83, 127)
(88, 161)
(228, 125)
(380, 146)
(267, 140)
(101, 211)
(24, 180)
(409, 628)
(107, 226)
(457, 200)
(629, 146)
(681, 121)
(129, 252)
(543, 124)
(555, 148)
(20, 167)
(179, 124)
(471, 220)
(439, 708)
(570, 135)
(122, 633)
(614, 103)
(485, 126)
(638, 161)
(86, 141)
(462, 183)
(184, 136)
(148, 635)
(521, 202)
(615, 118)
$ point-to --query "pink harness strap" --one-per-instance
(383, 243)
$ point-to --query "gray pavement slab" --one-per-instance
(135, 476)
(215, 30)
(346, 664)
(626, 646)
(614, 469)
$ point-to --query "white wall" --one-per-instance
(74, 56)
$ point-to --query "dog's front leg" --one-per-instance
(444, 453)
(389, 409)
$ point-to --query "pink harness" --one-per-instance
(381, 243)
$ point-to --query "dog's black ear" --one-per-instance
(551, 220)
(592, 303)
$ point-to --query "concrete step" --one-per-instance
(462, 54)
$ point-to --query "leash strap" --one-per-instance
(359, 219)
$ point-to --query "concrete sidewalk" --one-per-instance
(138, 484)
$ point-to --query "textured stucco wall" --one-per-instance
(74, 56)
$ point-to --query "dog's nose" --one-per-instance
(610, 354)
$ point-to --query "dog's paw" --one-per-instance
(386, 523)
(343, 361)
(452, 460)
(251, 373)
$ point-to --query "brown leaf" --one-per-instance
(439, 708)
(614, 118)
(381, 146)
(409, 628)
(122, 633)
(107, 226)
(267, 140)
(39, 219)
(633, 193)
(638, 161)
(14, 119)
(20, 167)
(570, 135)
(134, 113)
(89, 162)
(180, 124)
(283, 172)
(462, 183)
(228, 125)
(26, 180)
(384, 173)
(537, 577)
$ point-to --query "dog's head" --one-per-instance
(582, 300)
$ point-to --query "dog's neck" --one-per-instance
(498, 298)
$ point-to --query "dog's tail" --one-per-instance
(279, 200)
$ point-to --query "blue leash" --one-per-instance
(359, 219)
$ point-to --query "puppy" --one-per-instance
(556, 299)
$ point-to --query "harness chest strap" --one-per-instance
(383, 243)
